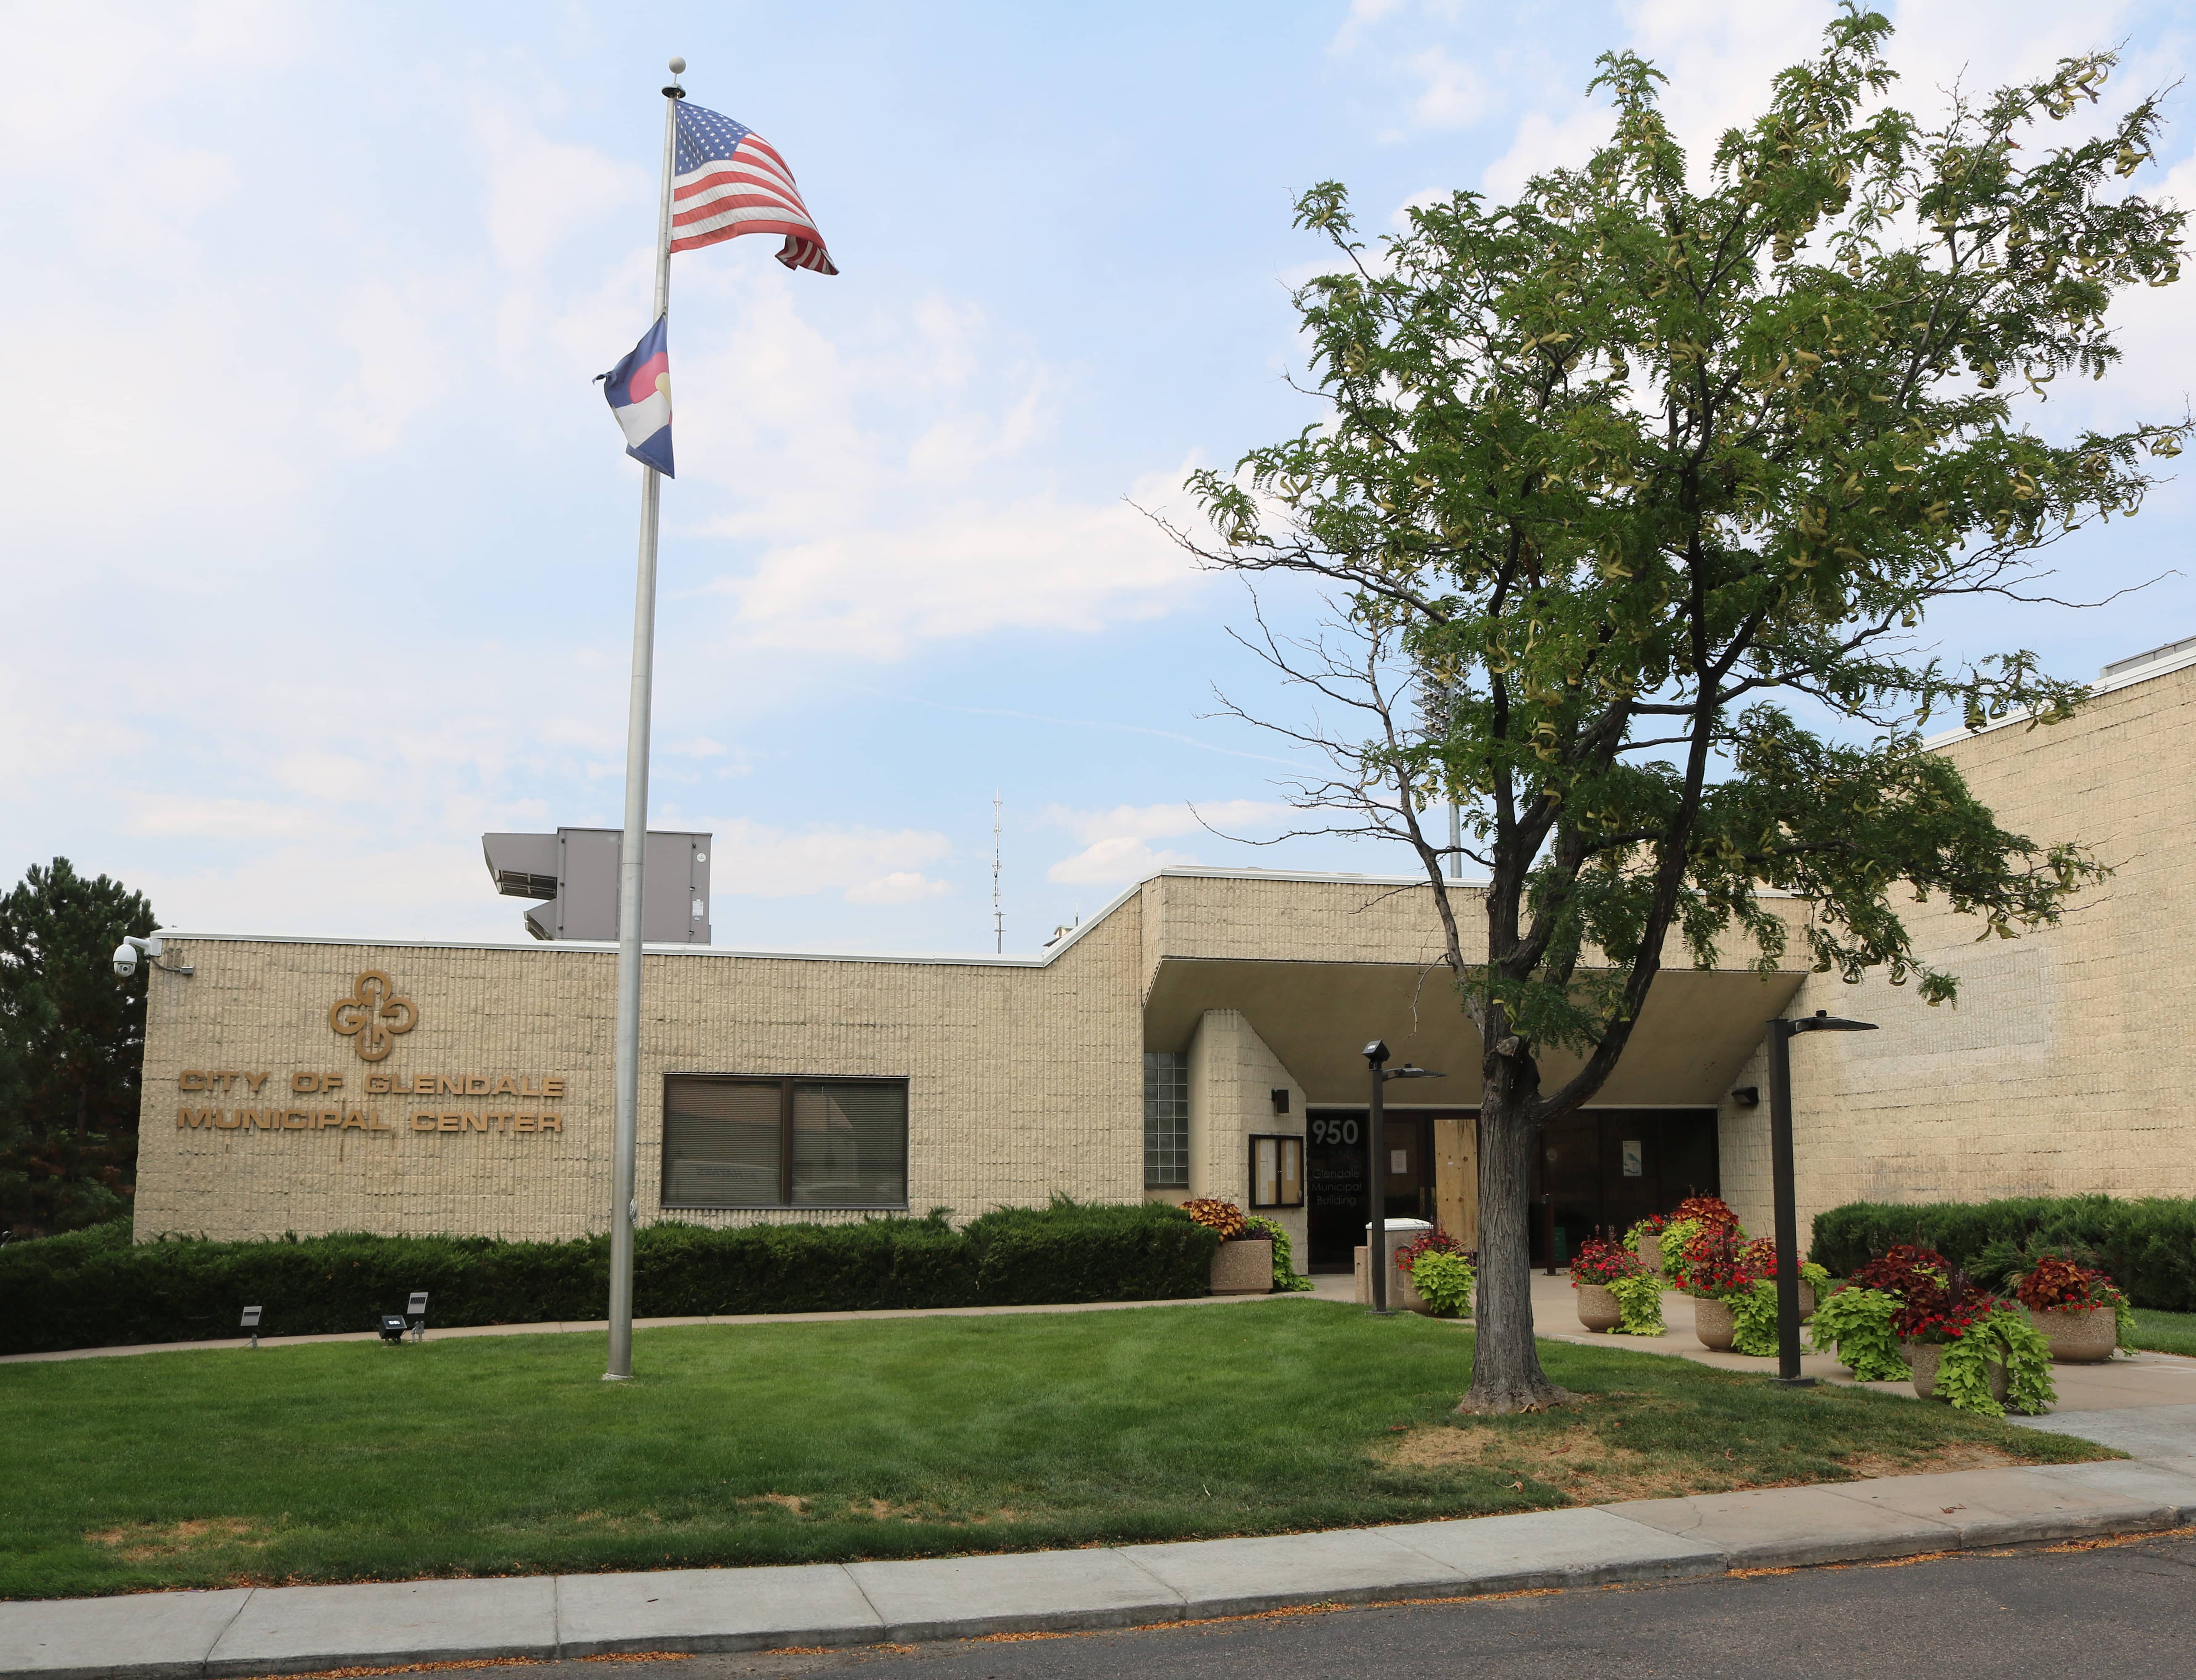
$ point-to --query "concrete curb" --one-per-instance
(297, 1629)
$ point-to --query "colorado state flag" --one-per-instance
(639, 392)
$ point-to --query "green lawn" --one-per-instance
(883, 1437)
(2165, 1332)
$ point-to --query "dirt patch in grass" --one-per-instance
(1573, 1459)
(1581, 1461)
(1954, 1455)
(143, 1542)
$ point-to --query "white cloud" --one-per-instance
(884, 488)
(1116, 848)
(901, 886)
(1454, 95)
(865, 866)
(1114, 862)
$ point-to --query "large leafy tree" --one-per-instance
(1637, 492)
(72, 1047)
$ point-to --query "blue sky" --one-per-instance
(318, 542)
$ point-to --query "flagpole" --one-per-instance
(632, 851)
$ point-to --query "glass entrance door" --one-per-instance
(1335, 1210)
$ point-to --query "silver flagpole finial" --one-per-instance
(678, 66)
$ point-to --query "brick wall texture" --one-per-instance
(2066, 1067)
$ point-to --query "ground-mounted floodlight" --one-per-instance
(252, 1323)
(416, 1310)
(393, 1328)
(150, 948)
(1781, 1031)
(1375, 1137)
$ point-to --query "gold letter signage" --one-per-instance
(372, 1015)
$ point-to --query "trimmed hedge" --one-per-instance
(95, 1288)
(2148, 1244)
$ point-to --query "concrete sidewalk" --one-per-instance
(297, 1629)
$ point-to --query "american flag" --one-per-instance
(727, 180)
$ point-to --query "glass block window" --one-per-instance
(1166, 1120)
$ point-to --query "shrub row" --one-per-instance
(2148, 1245)
(96, 1288)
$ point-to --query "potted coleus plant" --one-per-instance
(1596, 1266)
(1243, 1264)
(1712, 1271)
(1854, 1322)
(1443, 1278)
(1975, 1352)
(1645, 1239)
(2080, 1311)
(1755, 1313)
(1450, 1295)
(1691, 1216)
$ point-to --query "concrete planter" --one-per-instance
(1806, 1301)
(1599, 1308)
(1650, 1254)
(1244, 1266)
(2077, 1335)
(1713, 1323)
(1402, 1294)
(1922, 1359)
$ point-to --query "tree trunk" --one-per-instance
(1505, 1365)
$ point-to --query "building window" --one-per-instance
(1277, 1170)
(731, 1142)
(1166, 1120)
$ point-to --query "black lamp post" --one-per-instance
(1780, 1171)
(1376, 1135)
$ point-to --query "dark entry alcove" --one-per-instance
(1606, 1168)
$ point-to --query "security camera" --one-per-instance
(127, 953)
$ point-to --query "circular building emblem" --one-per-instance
(372, 1015)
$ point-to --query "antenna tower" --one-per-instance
(998, 916)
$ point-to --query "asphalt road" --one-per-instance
(2124, 1608)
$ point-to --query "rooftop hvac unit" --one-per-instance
(576, 871)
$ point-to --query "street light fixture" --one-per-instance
(1376, 1134)
(1780, 1030)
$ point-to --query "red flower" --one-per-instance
(1600, 1262)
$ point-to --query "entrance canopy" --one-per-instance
(1695, 1034)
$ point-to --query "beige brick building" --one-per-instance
(1198, 1036)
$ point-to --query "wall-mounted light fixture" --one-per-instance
(1282, 1100)
(1747, 1096)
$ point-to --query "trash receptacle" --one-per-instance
(1400, 1232)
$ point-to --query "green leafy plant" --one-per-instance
(1754, 1315)
(1640, 1294)
(1286, 1280)
(2001, 1334)
(1445, 1280)
(1672, 1240)
(1855, 1324)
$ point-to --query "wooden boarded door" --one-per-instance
(1456, 1176)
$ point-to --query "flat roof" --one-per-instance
(1045, 959)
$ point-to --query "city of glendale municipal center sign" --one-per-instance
(373, 1017)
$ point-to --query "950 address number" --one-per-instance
(1335, 1131)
